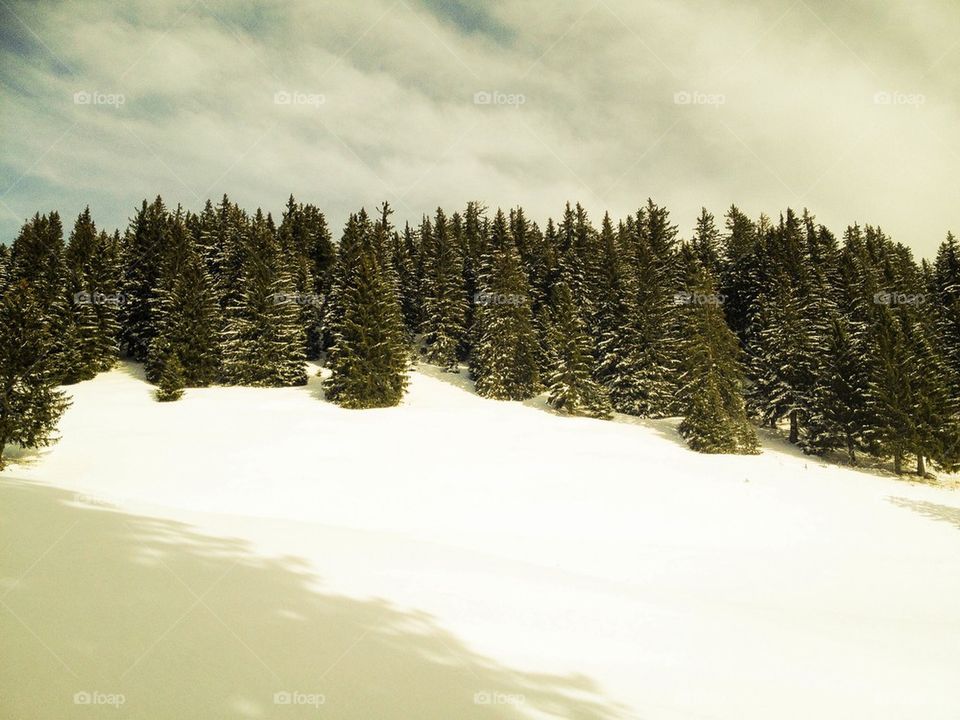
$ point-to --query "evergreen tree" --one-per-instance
(263, 344)
(504, 358)
(186, 313)
(368, 359)
(711, 388)
(570, 384)
(706, 242)
(445, 302)
(619, 362)
(30, 404)
(838, 405)
(739, 268)
(144, 244)
(171, 383)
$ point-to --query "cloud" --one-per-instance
(849, 110)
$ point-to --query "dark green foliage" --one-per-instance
(569, 380)
(711, 384)
(143, 248)
(30, 404)
(264, 342)
(444, 293)
(185, 314)
(368, 359)
(616, 325)
(504, 358)
(171, 383)
(838, 405)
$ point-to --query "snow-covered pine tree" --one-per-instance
(263, 344)
(504, 357)
(30, 404)
(651, 248)
(711, 382)
(407, 261)
(706, 241)
(171, 383)
(738, 273)
(471, 234)
(143, 248)
(368, 359)
(82, 298)
(186, 313)
(838, 404)
(947, 284)
(569, 379)
(445, 302)
(615, 324)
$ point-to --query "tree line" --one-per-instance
(851, 344)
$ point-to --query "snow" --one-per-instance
(459, 557)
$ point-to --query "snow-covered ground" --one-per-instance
(458, 557)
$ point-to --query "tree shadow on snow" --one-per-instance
(934, 511)
(96, 604)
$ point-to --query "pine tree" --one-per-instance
(711, 381)
(4, 267)
(263, 344)
(738, 274)
(504, 358)
(368, 359)
(651, 248)
(615, 324)
(82, 298)
(445, 302)
(838, 405)
(570, 384)
(144, 243)
(30, 404)
(171, 383)
(706, 242)
(186, 313)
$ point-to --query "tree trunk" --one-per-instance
(898, 462)
(921, 466)
(794, 427)
(851, 451)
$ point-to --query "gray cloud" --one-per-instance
(849, 109)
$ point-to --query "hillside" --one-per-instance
(459, 557)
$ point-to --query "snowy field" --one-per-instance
(248, 553)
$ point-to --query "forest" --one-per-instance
(850, 345)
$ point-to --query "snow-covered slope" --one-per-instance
(460, 557)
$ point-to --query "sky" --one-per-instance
(849, 109)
